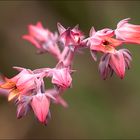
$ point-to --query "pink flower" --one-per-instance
(22, 83)
(105, 44)
(115, 62)
(40, 104)
(61, 76)
(42, 39)
(128, 32)
(102, 41)
(71, 37)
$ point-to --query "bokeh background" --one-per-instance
(98, 109)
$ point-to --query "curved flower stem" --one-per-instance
(69, 58)
(64, 53)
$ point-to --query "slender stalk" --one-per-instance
(64, 53)
(69, 59)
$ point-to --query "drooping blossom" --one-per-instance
(43, 39)
(71, 37)
(115, 62)
(40, 104)
(61, 76)
(127, 32)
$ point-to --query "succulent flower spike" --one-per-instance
(28, 88)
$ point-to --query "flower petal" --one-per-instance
(13, 93)
(40, 105)
(117, 63)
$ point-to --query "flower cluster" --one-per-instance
(28, 89)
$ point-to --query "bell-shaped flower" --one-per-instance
(71, 37)
(115, 62)
(40, 104)
(127, 32)
(61, 76)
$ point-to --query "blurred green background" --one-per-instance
(98, 109)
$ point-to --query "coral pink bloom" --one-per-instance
(70, 37)
(22, 83)
(128, 32)
(104, 44)
(61, 76)
(40, 105)
(102, 40)
(115, 62)
(43, 39)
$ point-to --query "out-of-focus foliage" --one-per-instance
(97, 109)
